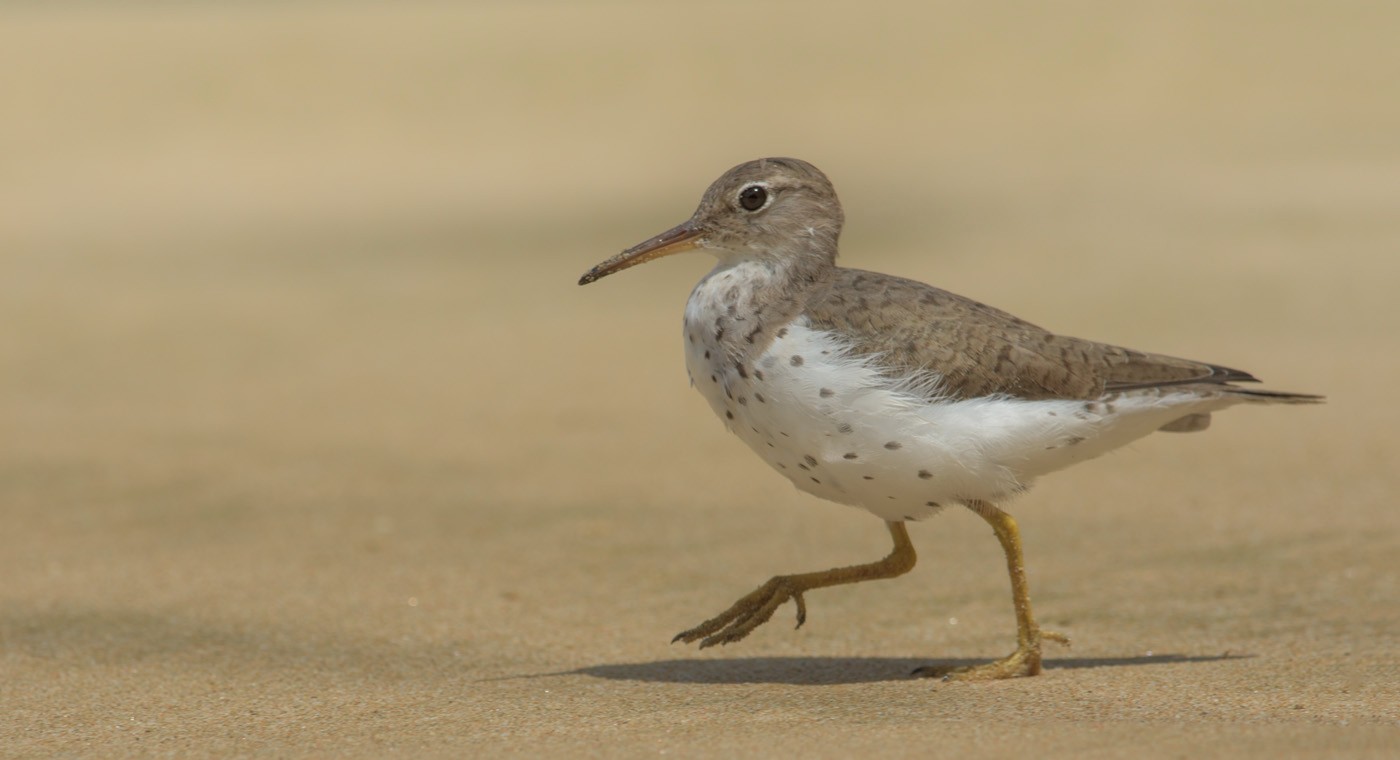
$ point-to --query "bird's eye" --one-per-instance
(753, 197)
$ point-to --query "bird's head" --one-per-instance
(781, 209)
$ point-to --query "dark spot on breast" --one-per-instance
(782, 466)
(1074, 440)
(889, 497)
(728, 414)
(758, 373)
(755, 331)
(714, 379)
(869, 477)
(691, 337)
(843, 428)
(796, 360)
(743, 401)
(1053, 414)
(925, 474)
(707, 354)
(782, 332)
(759, 396)
(801, 466)
(933, 504)
(907, 518)
(892, 445)
(785, 435)
(851, 455)
(826, 393)
(818, 482)
(719, 334)
(809, 459)
(744, 373)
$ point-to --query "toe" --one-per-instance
(1019, 664)
(1055, 636)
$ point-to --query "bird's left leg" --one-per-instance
(1025, 661)
(757, 607)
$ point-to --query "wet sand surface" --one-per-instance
(310, 445)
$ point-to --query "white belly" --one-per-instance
(839, 429)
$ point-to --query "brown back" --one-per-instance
(979, 350)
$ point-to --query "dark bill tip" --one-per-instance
(682, 237)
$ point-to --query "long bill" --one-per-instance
(682, 237)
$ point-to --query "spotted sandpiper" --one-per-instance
(894, 396)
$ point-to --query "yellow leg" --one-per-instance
(757, 607)
(1025, 661)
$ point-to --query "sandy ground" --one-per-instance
(310, 446)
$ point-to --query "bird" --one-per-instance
(894, 396)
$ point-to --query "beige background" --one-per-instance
(309, 444)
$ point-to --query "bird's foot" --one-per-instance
(748, 613)
(1025, 661)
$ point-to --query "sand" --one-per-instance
(310, 445)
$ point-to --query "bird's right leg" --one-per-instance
(757, 607)
(1025, 661)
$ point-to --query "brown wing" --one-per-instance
(979, 350)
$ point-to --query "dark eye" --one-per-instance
(753, 197)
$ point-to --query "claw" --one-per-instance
(1025, 661)
(1019, 664)
(758, 606)
(746, 614)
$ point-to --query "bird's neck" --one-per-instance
(740, 305)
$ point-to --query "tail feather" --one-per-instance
(1198, 421)
(1275, 397)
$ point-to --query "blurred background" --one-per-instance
(293, 366)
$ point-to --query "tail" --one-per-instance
(1193, 423)
(1275, 397)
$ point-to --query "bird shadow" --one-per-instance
(828, 671)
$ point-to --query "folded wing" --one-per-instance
(978, 350)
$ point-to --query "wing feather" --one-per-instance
(978, 350)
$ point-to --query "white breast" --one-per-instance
(840, 429)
